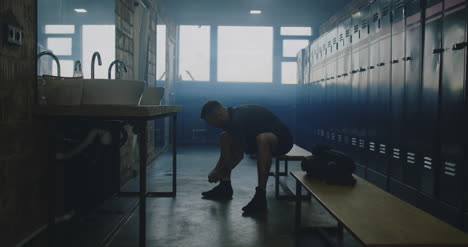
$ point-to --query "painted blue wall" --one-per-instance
(281, 99)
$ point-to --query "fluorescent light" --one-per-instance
(81, 10)
(255, 12)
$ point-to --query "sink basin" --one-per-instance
(59, 91)
(152, 96)
(112, 92)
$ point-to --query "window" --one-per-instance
(296, 31)
(66, 68)
(194, 60)
(60, 46)
(105, 45)
(59, 29)
(245, 54)
(161, 52)
(292, 46)
(289, 73)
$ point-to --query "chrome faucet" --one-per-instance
(77, 67)
(117, 63)
(53, 56)
(95, 54)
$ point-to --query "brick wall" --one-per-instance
(23, 149)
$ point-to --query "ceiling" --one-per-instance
(236, 12)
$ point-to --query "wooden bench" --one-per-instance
(295, 154)
(375, 217)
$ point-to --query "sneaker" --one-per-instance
(222, 191)
(258, 202)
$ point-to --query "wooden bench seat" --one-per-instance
(295, 154)
(377, 218)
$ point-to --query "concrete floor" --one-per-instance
(188, 220)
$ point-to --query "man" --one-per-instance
(250, 129)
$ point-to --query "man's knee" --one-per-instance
(267, 140)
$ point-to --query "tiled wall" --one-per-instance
(22, 141)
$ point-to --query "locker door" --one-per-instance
(413, 63)
(363, 87)
(354, 74)
(372, 104)
(430, 94)
(331, 85)
(452, 102)
(383, 102)
(397, 89)
(340, 120)
(346, 90)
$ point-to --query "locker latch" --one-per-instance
(459, 46)
(354, 71)
(407, 58)
(380, 64)
(437, 51)
(394, 61)
(371, 67)
(362, 69)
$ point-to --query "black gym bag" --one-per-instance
(331, 166)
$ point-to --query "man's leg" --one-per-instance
(231, 155)
(267, 143)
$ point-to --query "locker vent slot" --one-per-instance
(399, 4)
(385, 10)
(334, 40)
(383, 149)
(361, 143)
(365, 23)
(450, 169)
(375, 17)
(353, 141)
(327, 135)
(427, 162)
(340, 138)
(396, 153)
(346, 140)
(333, 136)
(341, 37)
(371, 146)
(410, 158)
(347, 33)
(356, 28)
(329, 43)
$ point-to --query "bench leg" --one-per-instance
(340, 234)
(277, 178)
(298, 206)
(286, 168)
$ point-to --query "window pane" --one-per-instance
(302, 31)
(291, 47)
(245, 54)
(66, 68)
(161, 52)
(59, 29)
(194, 60)
(60, 46)
(105, 45)
(289, 73)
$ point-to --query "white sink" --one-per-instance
(112, 92)
(152, 96)
(90, 91)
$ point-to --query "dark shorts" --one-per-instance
(285, 143)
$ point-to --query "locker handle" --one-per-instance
(436, 51)
(407, 58)
(362, 70)
(459, 46)
(345, 74)
(338, 76)
(354, 71)
(394, 61)
(381, 64)
(332, 77)
(371, 67)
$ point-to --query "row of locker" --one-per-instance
(387, 86)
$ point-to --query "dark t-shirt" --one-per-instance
(247, 121)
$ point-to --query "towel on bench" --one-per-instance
(331, 166)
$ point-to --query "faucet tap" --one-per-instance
(117, 63)
(53, 56)
(77, 67)
(95, 54)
